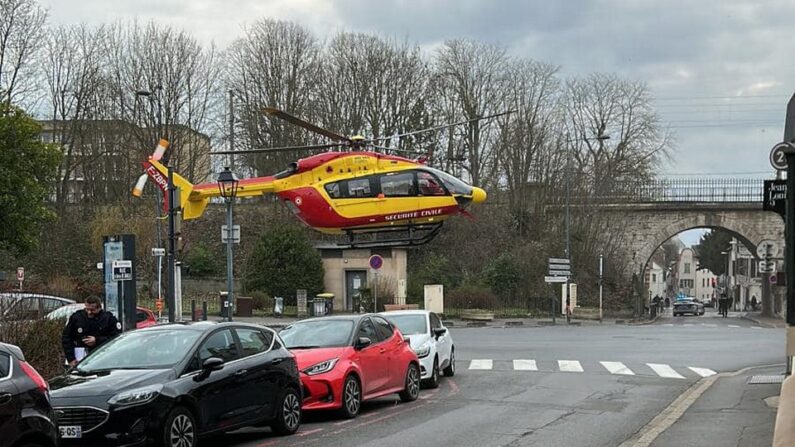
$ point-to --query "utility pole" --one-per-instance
(568, 223)
(171, 292)
(601, 281)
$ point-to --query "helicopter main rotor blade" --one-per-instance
(431, 129)
(279, 149)
(309, 126)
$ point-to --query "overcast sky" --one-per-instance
(720, 70)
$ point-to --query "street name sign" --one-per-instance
(20, 274)
(158, 252)
(122, 270)
(559, 267)
(553, 279)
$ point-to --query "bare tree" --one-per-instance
(274, 65)
(474, 74)
(21, 32)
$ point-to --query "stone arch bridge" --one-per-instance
(659, 210)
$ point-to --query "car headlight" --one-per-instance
(321, 367)
(423, 350)
(137, 396)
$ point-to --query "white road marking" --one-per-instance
(570, 366)
(756, 327)
(525, 365)
(687, 325)
(709, 325)
(703, 372)
(481, 364)
(617, 368)
(733, 325)
(668, 325)
(664, 370)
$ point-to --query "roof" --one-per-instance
(407, 312)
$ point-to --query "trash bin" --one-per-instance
(328, 299)
(278, 306)
(245, 306)
(318, 307)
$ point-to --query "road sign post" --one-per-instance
(20, 276)
(122, 271)
(376, 262)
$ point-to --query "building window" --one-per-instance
(653, 277)
(687, 267)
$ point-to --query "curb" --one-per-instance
(760, 322)
(644, 322)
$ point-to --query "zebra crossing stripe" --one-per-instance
(733, 325)
(703, 372)
(617, 368)
(481, 364)
(525, 365)
(570, 366)
(663, 370)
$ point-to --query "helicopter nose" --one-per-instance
(478, 195)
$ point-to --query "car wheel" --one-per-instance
(351, 397)
(450, 370)
(412, 390)
(433, 382)
(289, 416)
(180, 429)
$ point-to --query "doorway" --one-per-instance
(355, 280)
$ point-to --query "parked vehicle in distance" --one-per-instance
(430, 340)
(143, 316)
(16, 306)
(688, 306)
(345, 360)
(26, 417)
(172, 384)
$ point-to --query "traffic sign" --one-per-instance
(235, 234)
(159, 304)
(122, 270)
(768, 249)
(559, 261)
(376, 262)
(767, 266)
(552, 279)
(778, 155)
(20, 274)
(158, 252)
(559, 267)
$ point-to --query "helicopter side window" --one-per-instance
(429, 185)
(398, 185)
(333, 190)
(359, 187)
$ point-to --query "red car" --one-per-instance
(143, 316)
(345, 360)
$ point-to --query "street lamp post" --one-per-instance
(601, 281)
(568, 213)
(227, 186)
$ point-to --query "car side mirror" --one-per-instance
(362, 342)
(208, 366)
(440, 331)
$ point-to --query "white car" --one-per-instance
(432, 342)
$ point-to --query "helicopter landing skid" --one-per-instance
(401, 236)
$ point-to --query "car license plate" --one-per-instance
(71, 431)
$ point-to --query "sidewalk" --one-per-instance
(280, 322)
(757, 318)
(731, 412)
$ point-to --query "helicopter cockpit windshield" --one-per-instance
(454, 185)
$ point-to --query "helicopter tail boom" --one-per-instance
(192, 200)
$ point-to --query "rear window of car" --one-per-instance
(5, 365)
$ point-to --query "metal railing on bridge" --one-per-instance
(672, 190)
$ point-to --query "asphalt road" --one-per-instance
(559, 394)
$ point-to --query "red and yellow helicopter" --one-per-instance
(352, 193)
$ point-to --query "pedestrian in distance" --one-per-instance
(87, 330)
(753, 303)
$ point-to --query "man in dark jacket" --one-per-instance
(88, 329)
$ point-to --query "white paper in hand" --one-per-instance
(80, 353)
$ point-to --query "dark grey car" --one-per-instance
(689, 306)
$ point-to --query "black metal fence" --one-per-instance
(674, 190)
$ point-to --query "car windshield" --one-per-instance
(141, 350)
(410, 324)
(454, 185)
(320, 333)
(64, 312)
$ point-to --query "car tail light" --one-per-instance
(34, 375)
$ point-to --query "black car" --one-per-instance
(26, 417)
(171, 384)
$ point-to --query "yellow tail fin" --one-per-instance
(193, 203)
